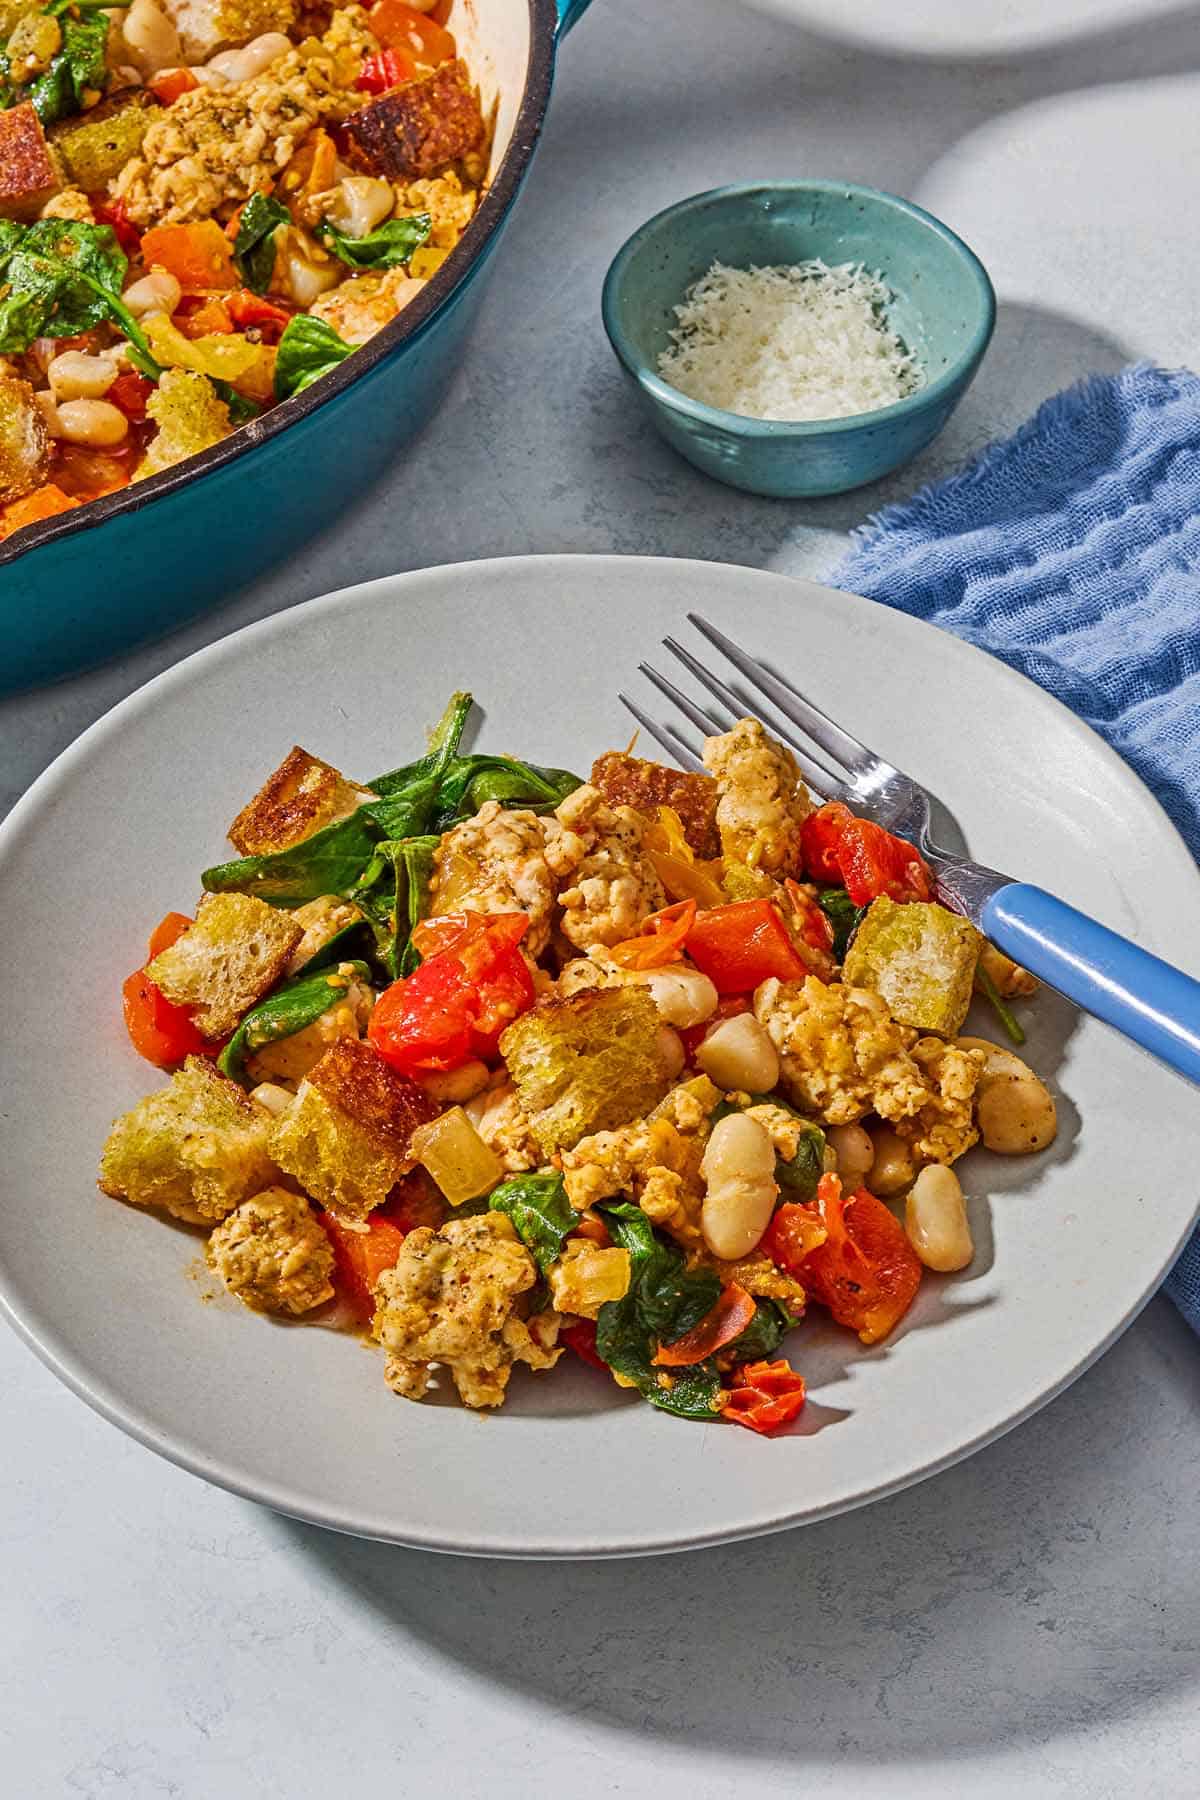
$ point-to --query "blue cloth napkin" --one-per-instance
(1072, 551)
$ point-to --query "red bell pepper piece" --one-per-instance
(741, 945)
(112, 212)
(851, 1255)
(158, 1030)
(384, 71)
(472, 985)
(360, 1257)
(764, 1395)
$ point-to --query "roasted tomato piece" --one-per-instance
(851, 1255)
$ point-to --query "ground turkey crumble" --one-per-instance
(214, 147)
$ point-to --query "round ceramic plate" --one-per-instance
(115, 834)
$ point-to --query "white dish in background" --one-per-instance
(115, 834)
(983, 28)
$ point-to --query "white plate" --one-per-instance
(115, 834)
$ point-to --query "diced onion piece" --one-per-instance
(452, 1151)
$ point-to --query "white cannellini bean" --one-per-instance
(308, 273)
(360, 203)
(1014, 1108)
(892, 1167)
(97, 423)
(739, 1173)
(683, 996)
(251, 59)
(156, 292)
(738, 1054)
(854, 1151)
(150, 38)
(76, 376)
(935, 1218)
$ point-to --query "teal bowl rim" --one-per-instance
(738, 423)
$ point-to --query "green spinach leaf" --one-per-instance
(843, 915)
(307, 350)
(387, 247)
(394, 894)
(800, 1176)
(765, 1332)
(331, 861)
(540, 1211)
(289, 1009)
(77, 69)
(254, 245)
(665, 1299)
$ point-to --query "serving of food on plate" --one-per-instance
(495, 1063)
(205, 206)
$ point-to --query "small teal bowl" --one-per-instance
(944, 310)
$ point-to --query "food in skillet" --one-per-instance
(205, 206)
(502, 1063)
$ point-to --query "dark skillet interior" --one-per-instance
(543, 24)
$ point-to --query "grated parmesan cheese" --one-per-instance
(802, 341)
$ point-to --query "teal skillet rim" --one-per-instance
(740, 423)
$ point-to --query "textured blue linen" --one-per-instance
(1072, 551)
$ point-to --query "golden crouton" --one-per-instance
(301, 796)
(237, 949)
(191, 416)
(197, 1148)
(585, 1063)
(633, 781)
(93, 147)
(28, 176)
(921, 958)
(418, 128)
(24, 441)
(346, 1136)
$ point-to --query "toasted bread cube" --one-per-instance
(197, 1148)
(303, 795)
(587, 1062)
(346, 1138)
(237, 949)
(28, 174)
(419, 128)
(920, 958)
(24, 441)
(633, 781)
(93, 147)
(191, 416)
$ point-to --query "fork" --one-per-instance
(1150, 1001)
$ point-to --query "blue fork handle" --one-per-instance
(1154, 1004)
